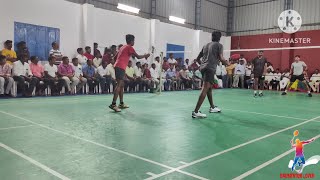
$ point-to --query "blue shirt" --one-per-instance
(89, 70)
(171, 73)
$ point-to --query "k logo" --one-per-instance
(289, 21)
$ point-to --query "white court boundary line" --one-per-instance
(105, 146)
(15, 127)
(248, 173)
(55, 173)
(230, 149)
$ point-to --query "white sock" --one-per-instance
(286, 91)
(260, 92)
(255, 92)
(309, 92)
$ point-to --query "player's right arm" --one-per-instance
(309, 141)
(223, 60)
(200, 56)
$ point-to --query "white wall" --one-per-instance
(52, 13)
(81, 25)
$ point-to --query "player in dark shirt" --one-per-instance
(211, 55)
(259, 65)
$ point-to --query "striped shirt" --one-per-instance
(5, 70)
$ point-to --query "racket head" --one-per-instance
(296, 133)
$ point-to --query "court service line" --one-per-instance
(104, 146)
(267, 163)
(231, 149)
(15, 127)
(55, 173)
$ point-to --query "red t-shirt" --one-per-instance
(147, 73)
(123, 56)
(89, 56)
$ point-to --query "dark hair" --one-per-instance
(170, 54)
(2, 57)
(7, 42)
(74, 59)
(138, 62)
(87, 47)
(79, 49)
(216, 36)
(95, 44)
(261, 51)
(54, 43)
(297, 56)
(129, 38)
(33, 58)
(21, 43)
(157, 57)
(64, 58)
(106, 50)
(51, 58)
(120, 45)
(113, 46)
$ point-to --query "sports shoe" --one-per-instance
(198, 115)
(214, 110)
(284, 93)
(115, 108)
(255, 95)
(260, 94)
(123, 106)
(309, 95)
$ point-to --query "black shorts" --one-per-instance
(294, 78)
(120, 73)
(208, 75)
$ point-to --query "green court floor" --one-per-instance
(78, 137)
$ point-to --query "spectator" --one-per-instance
(276, 79)
(187, 63)
(89, 72)
(67, 73)
(120, 46)
(170, 79)
(103, 76)
(155, 76)
(248, 74)
(97, 60)
(147, 76)
(314, 81)
(285, 79)
(171, 60)
(243, 59)
(185, 78)
(10, 54)
(113, 51)
(195, 64)
(165, 64)
(21, 74)
(269, 66)
(107, 56)
(22, 49)
(111, 75)
(178, 76)
(130, 80)
(82, 60)
(96, 51)
(221, 73)
(157, 63)
(191, 76)
(180, 63)
(198, 78)
(268, 78)
(5, 77)
(88, 53)
(250, 82)
(55, 52)
(239, 72)
(51, 78)
(139, 77)
(230, 71)
(77, 68)
(38, 72)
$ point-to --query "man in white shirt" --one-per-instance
(243, 59)
(248, 74)
(285, 79)
(314, 81)
(139, 79)
(111, 75)
(130, 80)
(81, 58)
(297, 69)
(171, 60)
(103, 77)
(97, 59)
(268, 78)
(157, 63)
(221, 73)
(155, 76)
(239, 73)
(55, 52)
(78, 74)
(51, 78)
(276, 79)
(21, 74)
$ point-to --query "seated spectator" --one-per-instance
(102, 73)
(96, 51)
(172, 61)
(268, 78)
(250, 81)
(285, 79)
(139, 77)
(88, 53)
(120, 46)
(10, 54)
(195, 64)
(147, 76)
(186, 63)
(191, 76)
(269, 66)
(165, 64)
(180, 63)
(89, 72)
(38, 72)
(77, 68)
(55, 52)
(230, 70)
(178, 77)
(113, 51)
(51, 77)
(21, 74)
(170, 79)
(276, 79)
(107, 55)
(185, 78)
(315, 81)
(157, 63)
(239, 72)
(221, 73)
(197, 78)
(248, 74)
(97, 60)
(111, 75)
(155, 77)
(81, 58)
(130, 80)
(66, 72)
(22, 49)
(6, 81)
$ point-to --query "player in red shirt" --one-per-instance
(122, 59)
